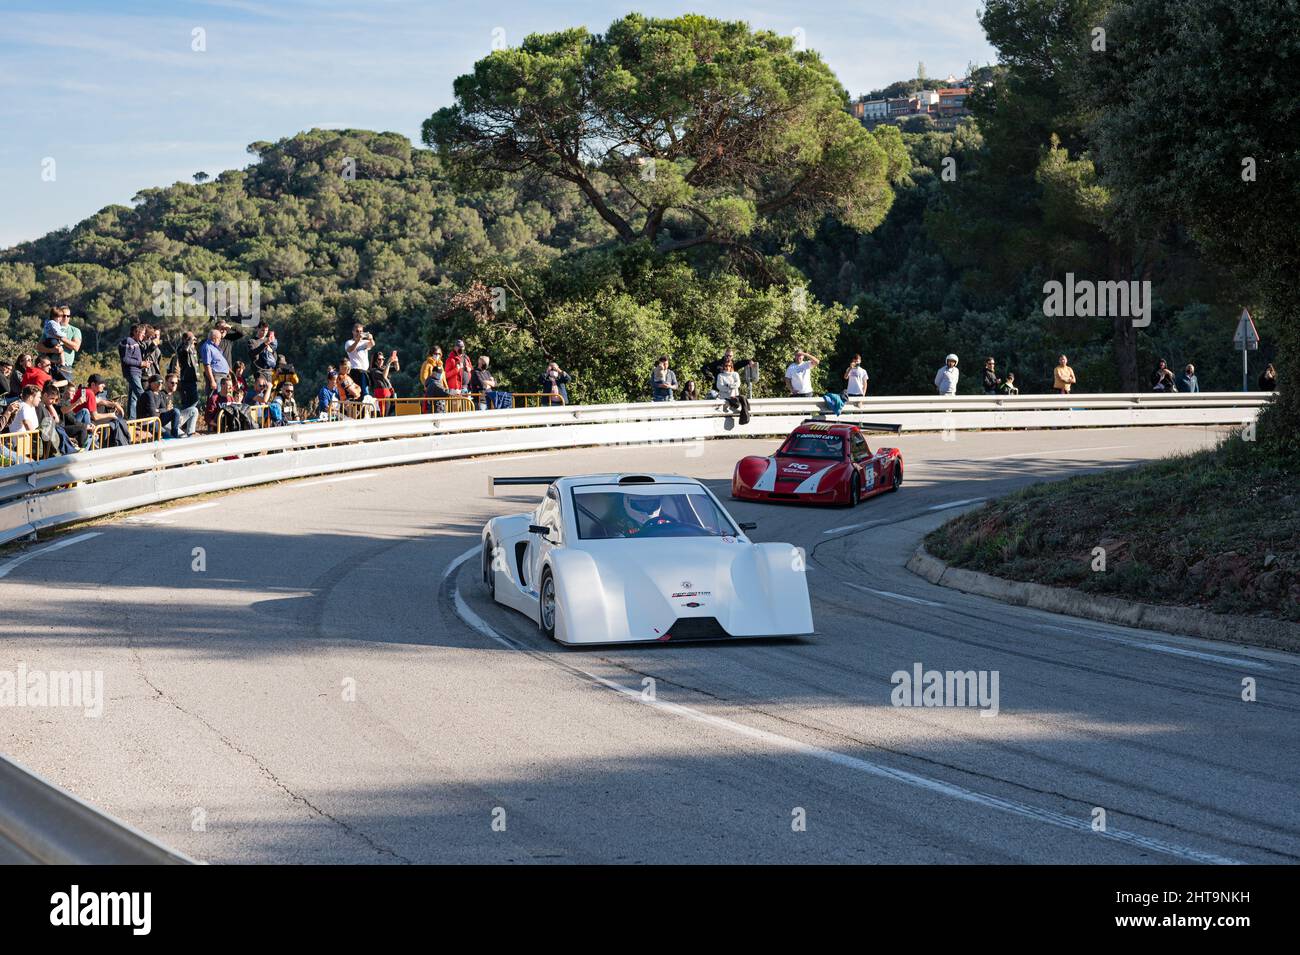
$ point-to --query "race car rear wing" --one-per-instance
(495, 482)
(861, 425)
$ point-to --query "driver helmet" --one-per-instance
(643, 507)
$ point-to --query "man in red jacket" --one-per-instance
(39, 374)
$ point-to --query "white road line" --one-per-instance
(846, 527)
(1158, 647)
(1082, 825)
(894, 596)
(1212, 657)
(57, 545)
(165, 517)
(335, 480)
(944, 507)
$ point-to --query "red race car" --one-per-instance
(821, 462)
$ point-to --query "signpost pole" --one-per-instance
(1246, 339)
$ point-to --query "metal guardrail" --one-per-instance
(66, 489)
(42, 823)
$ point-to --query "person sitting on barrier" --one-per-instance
(689, 391)
(216, 401)
(21, 415)
(435, 386)
(1008, 387)
(15, 380)
(239, 376)
(54, 436)
(232, 414)
(39, 373)
(381, 386)
(90, 408)
(1187, 381)
(180, 419)
(348, 388)
(283, 409)
(481, 382)
(150, 402)
(259, 392)
(328, 401)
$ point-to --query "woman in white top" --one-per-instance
(728, 386)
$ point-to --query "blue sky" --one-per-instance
(113, 92)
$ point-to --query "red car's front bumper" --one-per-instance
(833, 495)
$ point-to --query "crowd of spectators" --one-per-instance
(205, 387)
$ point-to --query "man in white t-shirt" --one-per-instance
(798, 374)
(857, 377)
(358, 351)
(945, 379)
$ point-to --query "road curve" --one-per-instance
(310, 672)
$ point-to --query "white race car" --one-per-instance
(631, 558)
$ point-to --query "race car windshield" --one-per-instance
(830, 446)
(605, 514)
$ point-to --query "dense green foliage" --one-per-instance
(1226, 165)
(681, 132)
(381, 248)
(1218, 529)
(770, 220)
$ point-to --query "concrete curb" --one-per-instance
(1185, 621)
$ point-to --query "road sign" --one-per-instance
(1246, 337)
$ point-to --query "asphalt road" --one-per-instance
(324, 681)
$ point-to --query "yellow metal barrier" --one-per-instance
(262, 412)
(144, 430)
(100, 439)
(385, 407)
(17, 447)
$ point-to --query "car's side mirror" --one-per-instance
(748, 525)
(541, 529)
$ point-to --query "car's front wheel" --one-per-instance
(898, 475)
(546, 599)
